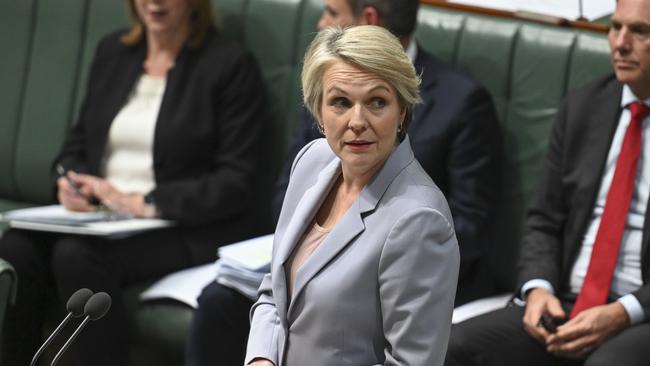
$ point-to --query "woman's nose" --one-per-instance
(358, 120)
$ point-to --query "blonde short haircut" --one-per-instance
(369, 48)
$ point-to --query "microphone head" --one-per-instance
(77, 301)
(98, 305)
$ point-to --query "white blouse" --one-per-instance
(128, 158)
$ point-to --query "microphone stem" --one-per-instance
(50, 338)
(70, 340)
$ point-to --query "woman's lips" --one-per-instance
(358, 145)
(157, 14)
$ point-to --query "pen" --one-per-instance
(62, 172)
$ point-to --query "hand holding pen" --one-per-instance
(82, 192)
(71, 194)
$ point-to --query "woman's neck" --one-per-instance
(162, 50)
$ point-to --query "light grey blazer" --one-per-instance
(379, 290)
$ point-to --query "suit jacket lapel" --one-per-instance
(645, 261)
(301, 218)
(128, 69)
(598, 139)
(351, 225)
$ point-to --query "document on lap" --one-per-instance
(56, 218)
(241, 266)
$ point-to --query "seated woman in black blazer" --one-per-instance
(169, 128)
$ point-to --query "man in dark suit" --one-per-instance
(454, 135)
(584, 269)
(454, 132)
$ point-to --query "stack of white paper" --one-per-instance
(242, 266)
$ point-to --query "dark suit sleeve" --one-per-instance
(473, 173)
(541, 250)
(225, 190)
(74, 154)
(305, 132)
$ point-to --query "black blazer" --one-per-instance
(454, 135)
(206, 137)
(561, 209)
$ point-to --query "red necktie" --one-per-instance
(604, 255)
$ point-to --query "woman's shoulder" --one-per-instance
(111, 42)
(414, 190)
(314, 154)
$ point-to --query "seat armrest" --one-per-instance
(8, 285)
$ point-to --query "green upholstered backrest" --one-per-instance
(528, 68)
(15, 36)
(51, 44)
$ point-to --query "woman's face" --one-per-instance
(360, 114)
(164, 16)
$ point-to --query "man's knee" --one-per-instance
(214, 296)
(603, 359)
(460, 340)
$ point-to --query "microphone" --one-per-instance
(96, 307)
(75, 307)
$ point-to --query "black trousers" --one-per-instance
(51, 267)
(220, 327)
(498, 338)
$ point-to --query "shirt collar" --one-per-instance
(412, 50)
(629, 97)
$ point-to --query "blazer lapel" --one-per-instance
(598, 139)
(351, 225)
(645, 261)
(128, 69)
(301, 218)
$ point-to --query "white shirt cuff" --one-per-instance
(633, 308)
(536, 283)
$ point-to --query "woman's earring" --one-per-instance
(399, 129)
(321, 129)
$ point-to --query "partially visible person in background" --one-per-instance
(169, 128)
(584, 268)
(365, 259)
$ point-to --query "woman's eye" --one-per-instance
(377, 103)
(340, 103)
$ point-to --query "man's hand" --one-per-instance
(538, 302)
(580, 336)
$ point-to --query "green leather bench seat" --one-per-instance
(527, 67)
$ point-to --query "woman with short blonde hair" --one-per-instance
(365, 258)
(374, 51)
